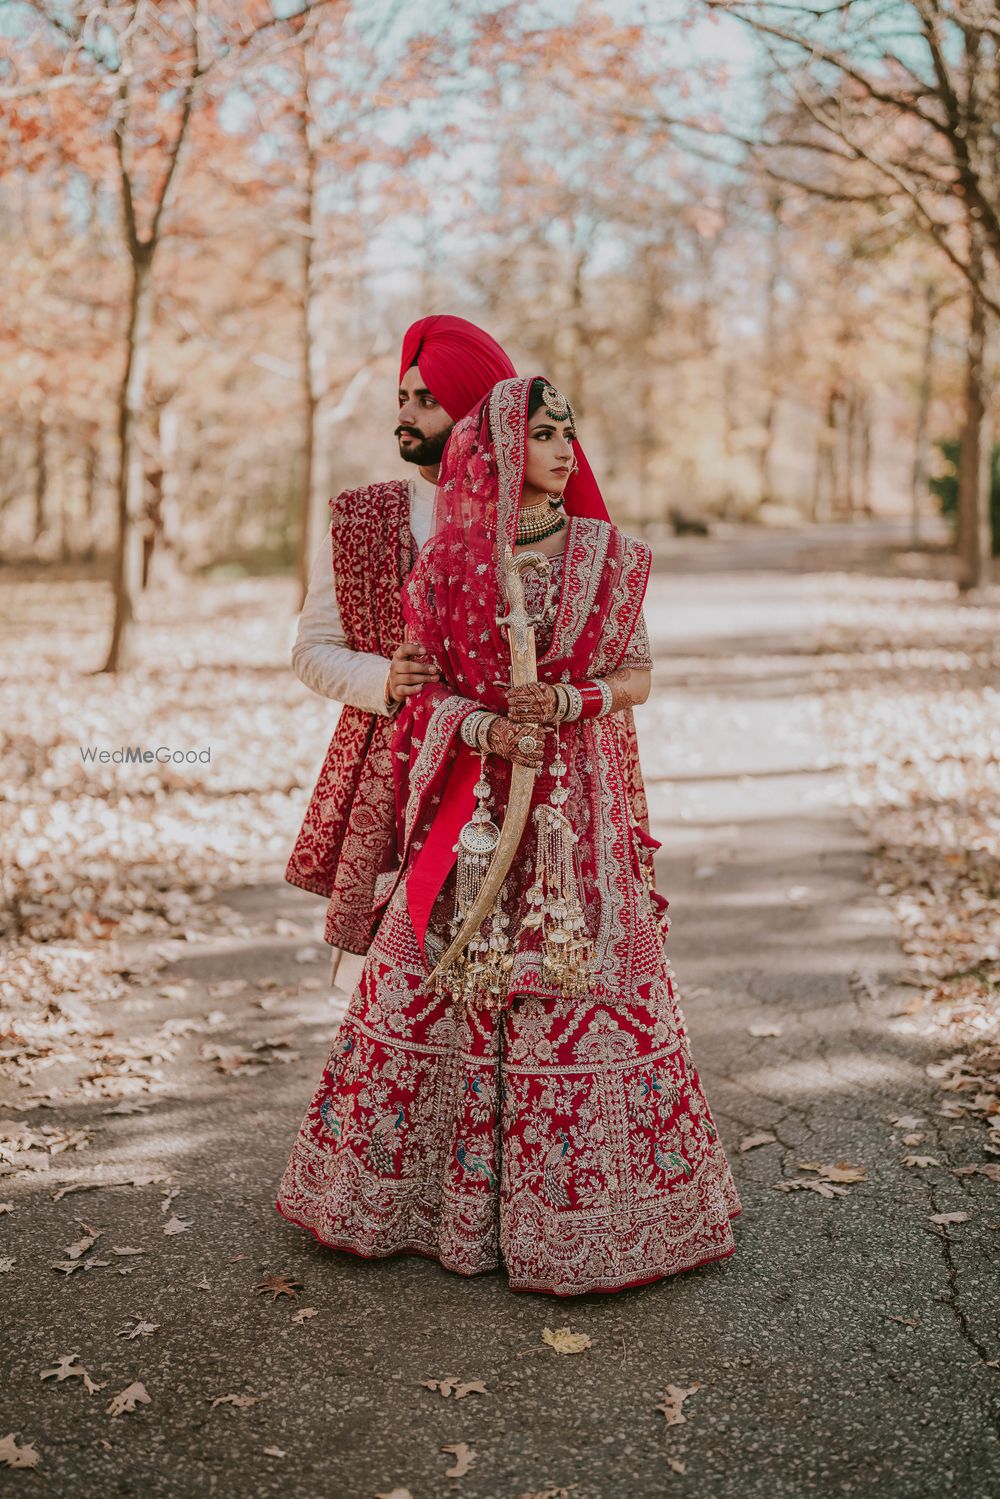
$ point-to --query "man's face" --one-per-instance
(422, 425)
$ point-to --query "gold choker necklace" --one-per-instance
(549, 520)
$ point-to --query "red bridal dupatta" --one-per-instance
(451, 604)
(565, 1138)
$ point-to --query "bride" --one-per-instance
(520, 1092)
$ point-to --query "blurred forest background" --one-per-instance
(758, 244)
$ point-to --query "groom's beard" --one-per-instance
(426, 451)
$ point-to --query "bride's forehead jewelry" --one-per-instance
(556, 404)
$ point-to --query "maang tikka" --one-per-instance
(556, 404)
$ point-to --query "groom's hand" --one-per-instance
(409, 671)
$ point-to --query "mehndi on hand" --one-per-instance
(518, 742)
(534, 702)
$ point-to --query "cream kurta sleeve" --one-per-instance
(321, 656)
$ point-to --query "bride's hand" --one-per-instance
(535, 702)
(517, 742)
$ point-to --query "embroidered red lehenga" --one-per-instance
(565, 1138)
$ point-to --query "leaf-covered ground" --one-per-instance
(98, 854)
(166, 1011)
(915, 713)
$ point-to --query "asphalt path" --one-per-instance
(845, 1349)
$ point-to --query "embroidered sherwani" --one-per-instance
(351, 623)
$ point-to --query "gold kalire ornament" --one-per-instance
(480, 957)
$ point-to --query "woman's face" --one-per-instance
(548, 456)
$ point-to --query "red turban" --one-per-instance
(459, 362)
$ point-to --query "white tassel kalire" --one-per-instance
(476, 844)
(554, 906)
(480, 975)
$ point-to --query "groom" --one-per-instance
(350, 644)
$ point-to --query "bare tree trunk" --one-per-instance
(578, 322)
(851, 432)
(311, 344)
(972, 501)
(857, 437)
(41, 524)
(647, 508)
(828, 496)
(865, 474)
(921, 437)
(67, 526)
(127, 574)
(819, 465)
(90, 465)
(766, 478)
(170, 491)
(729, 406)
(151, 521)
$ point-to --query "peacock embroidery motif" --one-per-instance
(384, 1142)
(474, 1165)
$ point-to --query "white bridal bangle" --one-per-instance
(575, 700)
(470, 727)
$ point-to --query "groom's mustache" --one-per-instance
(411, 431)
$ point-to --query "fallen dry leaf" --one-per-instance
(452, 1385)
(278, 1285)
(920, 1160)
(565, 1341)
(304, 1313)
(821, 1188)
(675, 1464)
(561, 1491)
(750, 1142)
(68, 1368)
(140, 1329)
(950, 1217)
(175, 1225)
(464, 1459)
(273, 1451)
(15, 1456)
(68, 1266)
(133, 1395)
(841, 1171)
(144, 1180)
(90, 1238)
(242, 1402)
(673, 1400)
